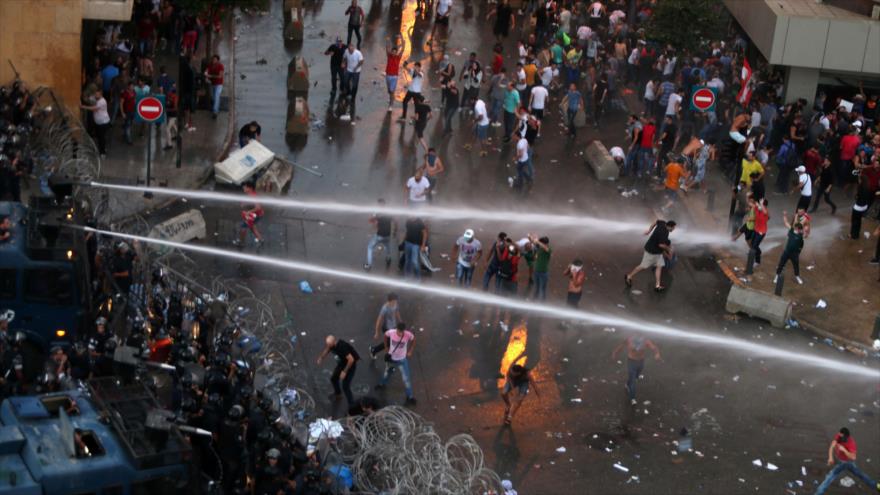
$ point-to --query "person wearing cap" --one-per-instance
(805, 186)
(467, 252)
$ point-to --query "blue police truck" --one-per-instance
(98, 441)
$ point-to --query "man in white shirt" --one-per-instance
(444, 7)
(538, 100)
(524, 170)
(467, 250)
(414, 90)
(417, 189)
(481, 126)
(716, 83)
(805, 184)
(353, 60)
(102, 120)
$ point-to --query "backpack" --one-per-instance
(785, 153)
(505, 267)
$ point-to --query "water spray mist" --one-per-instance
(552, 311)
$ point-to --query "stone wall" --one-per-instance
(42, 39)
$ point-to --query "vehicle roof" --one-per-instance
(31, 438)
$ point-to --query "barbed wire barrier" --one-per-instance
(396, 451)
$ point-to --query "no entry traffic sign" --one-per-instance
(151, 109)
(703, 99)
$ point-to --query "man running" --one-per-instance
(352, 61)
(467, 252)
(399, 346)
(520, 378)
(416, 190)
(251, 214)
(636, 348)
(385, 229)
(389, 316)
(657, 248)
(414, 90)
(414, 243)
(444, 8)
(346, 366)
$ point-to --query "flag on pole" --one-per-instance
(745, 90)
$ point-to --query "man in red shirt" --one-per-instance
(843, 447)
(128, 101)
(250, 215)
(813, 161)
(214, 73)
(848, 146)
(646, 147)
(392, 70)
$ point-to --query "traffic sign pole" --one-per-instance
(150, 126)
(150, 110)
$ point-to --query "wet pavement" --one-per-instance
(738, 408)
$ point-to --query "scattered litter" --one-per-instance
(772, 467)
(736, 378)
(621, 467)
(476, 335)
(576, 400)
(771, 387)
(564, 360)
(810, 267)
(621, 306)
(821, 304)
(305, 288)
(262, 61)
(452, 407)
(757, 462)
(630, 193)
(609, 329)
(561, 450)
(476, 322)
(847, 482)
(803, 471)
(741, 480)
(636, 292)
(303, 334)
(571, 200)
(322, 223)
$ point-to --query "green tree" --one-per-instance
(687, 24)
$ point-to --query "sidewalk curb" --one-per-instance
(857, 348)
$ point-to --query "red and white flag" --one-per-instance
(745, 91)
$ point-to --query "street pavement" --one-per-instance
(737, 407)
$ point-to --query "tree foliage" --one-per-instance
(687, 24)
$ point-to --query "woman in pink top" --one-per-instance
(762, 215)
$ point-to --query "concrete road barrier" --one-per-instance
(298, 117)
(293, 28)
(297, 78)
(598, 158)
(757, 304)
(182, 228)
(276, 177)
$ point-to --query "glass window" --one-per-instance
(48, 286)
(7, 283)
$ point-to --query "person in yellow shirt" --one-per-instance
(530, 69)
(751, 164)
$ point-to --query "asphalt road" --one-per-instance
(737, 407)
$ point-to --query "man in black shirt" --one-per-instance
(385, 227)
(423, 113)
(346, 365)
(657, 248)
(248, 133)
(336, 51)
(414, 243)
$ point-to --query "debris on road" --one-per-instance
(621, 467)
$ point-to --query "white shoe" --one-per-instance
(799, 280)
(390, 109)
(775, 278)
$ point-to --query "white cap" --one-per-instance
(801, 169)
(469, 234)
(857, 123)
(506, 484)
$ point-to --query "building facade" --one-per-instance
(829, 42)
(42, 40)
